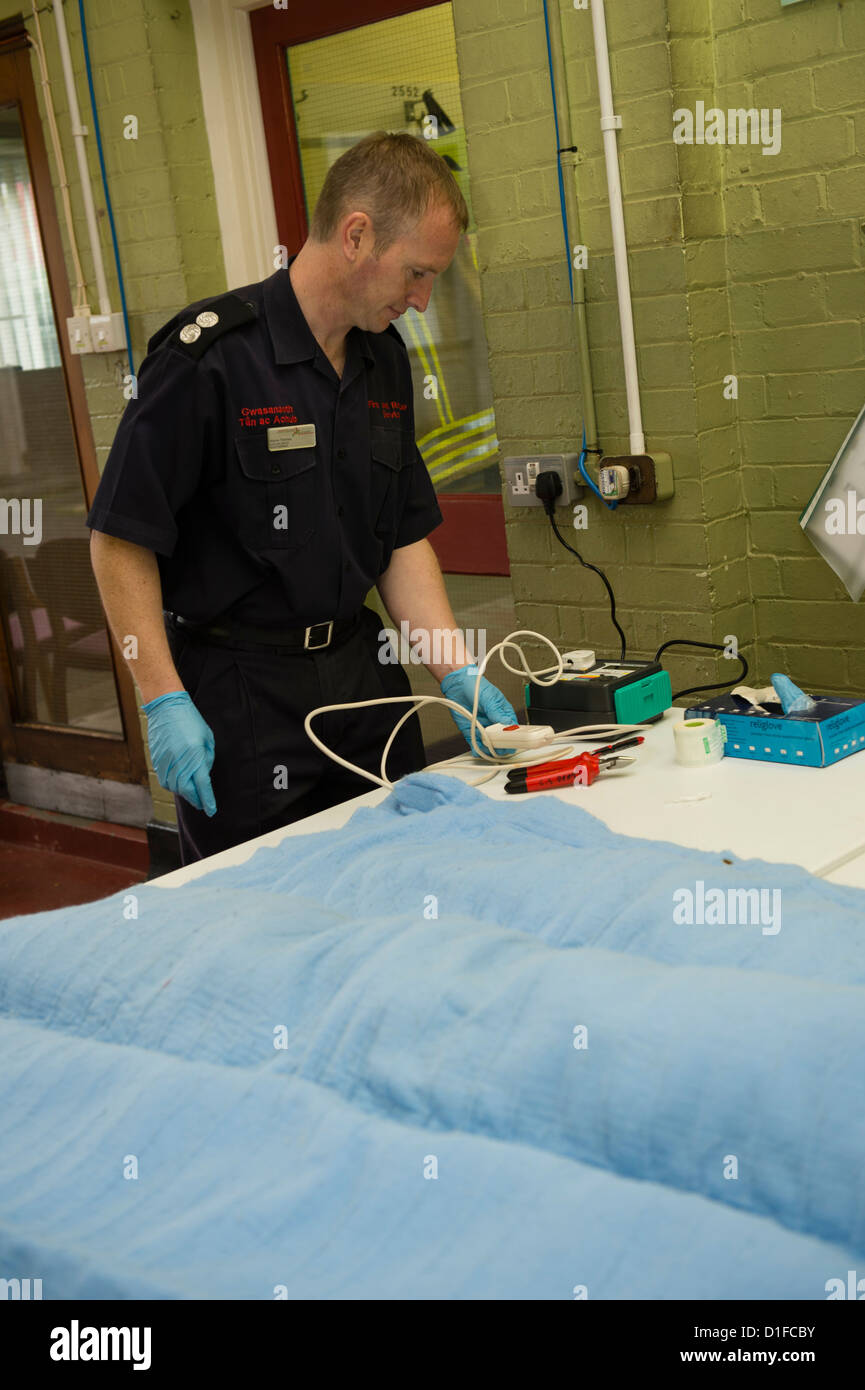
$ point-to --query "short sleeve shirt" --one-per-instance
(249, 515)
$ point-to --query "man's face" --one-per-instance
(402, 278)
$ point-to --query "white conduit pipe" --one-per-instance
(80, 150)
(80, 304)
(610, 123)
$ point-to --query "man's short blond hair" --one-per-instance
(395, 179)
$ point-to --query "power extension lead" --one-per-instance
(517, 736)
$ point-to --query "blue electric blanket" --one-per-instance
(457, 1049)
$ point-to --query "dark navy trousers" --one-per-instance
(266, 771)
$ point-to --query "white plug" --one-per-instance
(614, 480)
(516, 735)
(581, 660)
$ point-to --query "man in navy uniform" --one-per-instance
(265, 478)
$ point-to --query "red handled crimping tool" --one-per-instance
(582, 770)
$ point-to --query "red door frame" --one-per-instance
(471, 539)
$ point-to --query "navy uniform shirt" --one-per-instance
(271, 536)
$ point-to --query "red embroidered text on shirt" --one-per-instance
(267, 415)
(390, 410)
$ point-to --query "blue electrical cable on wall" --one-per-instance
(108, 206)
(558, 160)
(581, 463)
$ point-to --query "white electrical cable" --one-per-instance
(476, 728)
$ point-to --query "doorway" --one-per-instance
(67, 705)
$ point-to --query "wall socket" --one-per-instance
(106, 332)
(78, 328)
(521, 473)
(96, 333)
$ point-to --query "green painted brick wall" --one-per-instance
(145, 65)
(741, 264)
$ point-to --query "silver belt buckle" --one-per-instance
(315, 646)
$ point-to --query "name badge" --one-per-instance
(291, 437)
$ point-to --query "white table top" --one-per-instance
(810, 816)
(851, 874)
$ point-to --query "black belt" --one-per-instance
(302, 639)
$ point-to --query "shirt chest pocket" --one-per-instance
(391, 450)
(277, 494)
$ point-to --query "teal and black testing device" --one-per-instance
(615, 692)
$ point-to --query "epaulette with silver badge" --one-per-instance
(193, 335)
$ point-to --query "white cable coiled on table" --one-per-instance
(476, 730)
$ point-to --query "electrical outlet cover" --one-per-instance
(78, 328)
(522, 470)
(106, 332)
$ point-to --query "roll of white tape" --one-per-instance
(699, 742)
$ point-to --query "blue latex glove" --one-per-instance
(181, 749)
(793, 700)
(493, 708)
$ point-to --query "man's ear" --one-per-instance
(357, 228)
